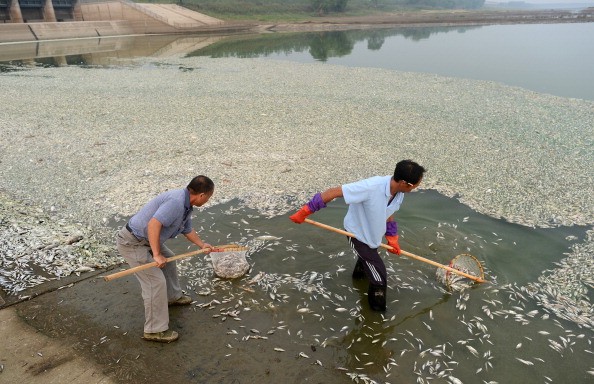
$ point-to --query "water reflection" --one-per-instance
(366, 344)
(519, 55)
(320, 45)
(110, 51)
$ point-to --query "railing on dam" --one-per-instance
(63, 3)
(31, 3)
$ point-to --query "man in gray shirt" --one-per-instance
(141, 241)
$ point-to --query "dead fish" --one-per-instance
(472, 350)
(257, 278)
(526, 362)
(279, 349)
(267, 238)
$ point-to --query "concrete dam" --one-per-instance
(38, 20)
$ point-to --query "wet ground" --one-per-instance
(103, 321)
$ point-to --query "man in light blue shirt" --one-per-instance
(142, 240)
(372, 202)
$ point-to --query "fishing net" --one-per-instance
(465, 263)
(230, 263)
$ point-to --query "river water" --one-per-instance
(493, 332)
(546, 58)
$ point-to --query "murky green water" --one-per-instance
(427, 332)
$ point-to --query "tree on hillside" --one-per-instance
(323, 7)
(447, 4)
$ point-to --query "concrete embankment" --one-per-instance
(54, 31)
(117, 18)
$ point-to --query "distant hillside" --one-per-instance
(299, 8)
(525, 5)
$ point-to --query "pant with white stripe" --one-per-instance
(372, 266)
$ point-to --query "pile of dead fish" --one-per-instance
(37, 247)
(566, 290)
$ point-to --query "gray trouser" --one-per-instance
(159, 285)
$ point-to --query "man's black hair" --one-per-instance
(201, 184)
(408, 171)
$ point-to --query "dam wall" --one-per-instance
(66, 30)
(35, 20)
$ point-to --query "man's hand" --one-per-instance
(208, 248)
(300, 216)
(393, 242)
(160, 260)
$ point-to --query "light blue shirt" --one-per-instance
(368, 208)
(171, 208)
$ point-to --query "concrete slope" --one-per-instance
(177, 16)
(185, 45)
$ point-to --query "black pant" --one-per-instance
(370, 264)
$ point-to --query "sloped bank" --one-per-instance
(126, 20)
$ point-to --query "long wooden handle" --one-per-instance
(411, 255)
(154, 263)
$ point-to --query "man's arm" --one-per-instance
(154, 237)
(316, 203)
(331, 194)
(193, 237)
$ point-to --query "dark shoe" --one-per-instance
(183, 300)
(377, 298)
(162, 337)
(358, 272)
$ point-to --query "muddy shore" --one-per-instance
(432, 18)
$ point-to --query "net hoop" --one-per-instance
(230, 263)
(465, 263)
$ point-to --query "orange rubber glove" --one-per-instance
(393, 242)
(299, 216)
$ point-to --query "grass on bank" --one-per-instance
(291, 10)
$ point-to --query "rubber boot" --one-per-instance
(377, 298)
(358, 272)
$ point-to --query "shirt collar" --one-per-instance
(388, 194)
(187, 204)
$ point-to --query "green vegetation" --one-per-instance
(295, 10)
(320, 45)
